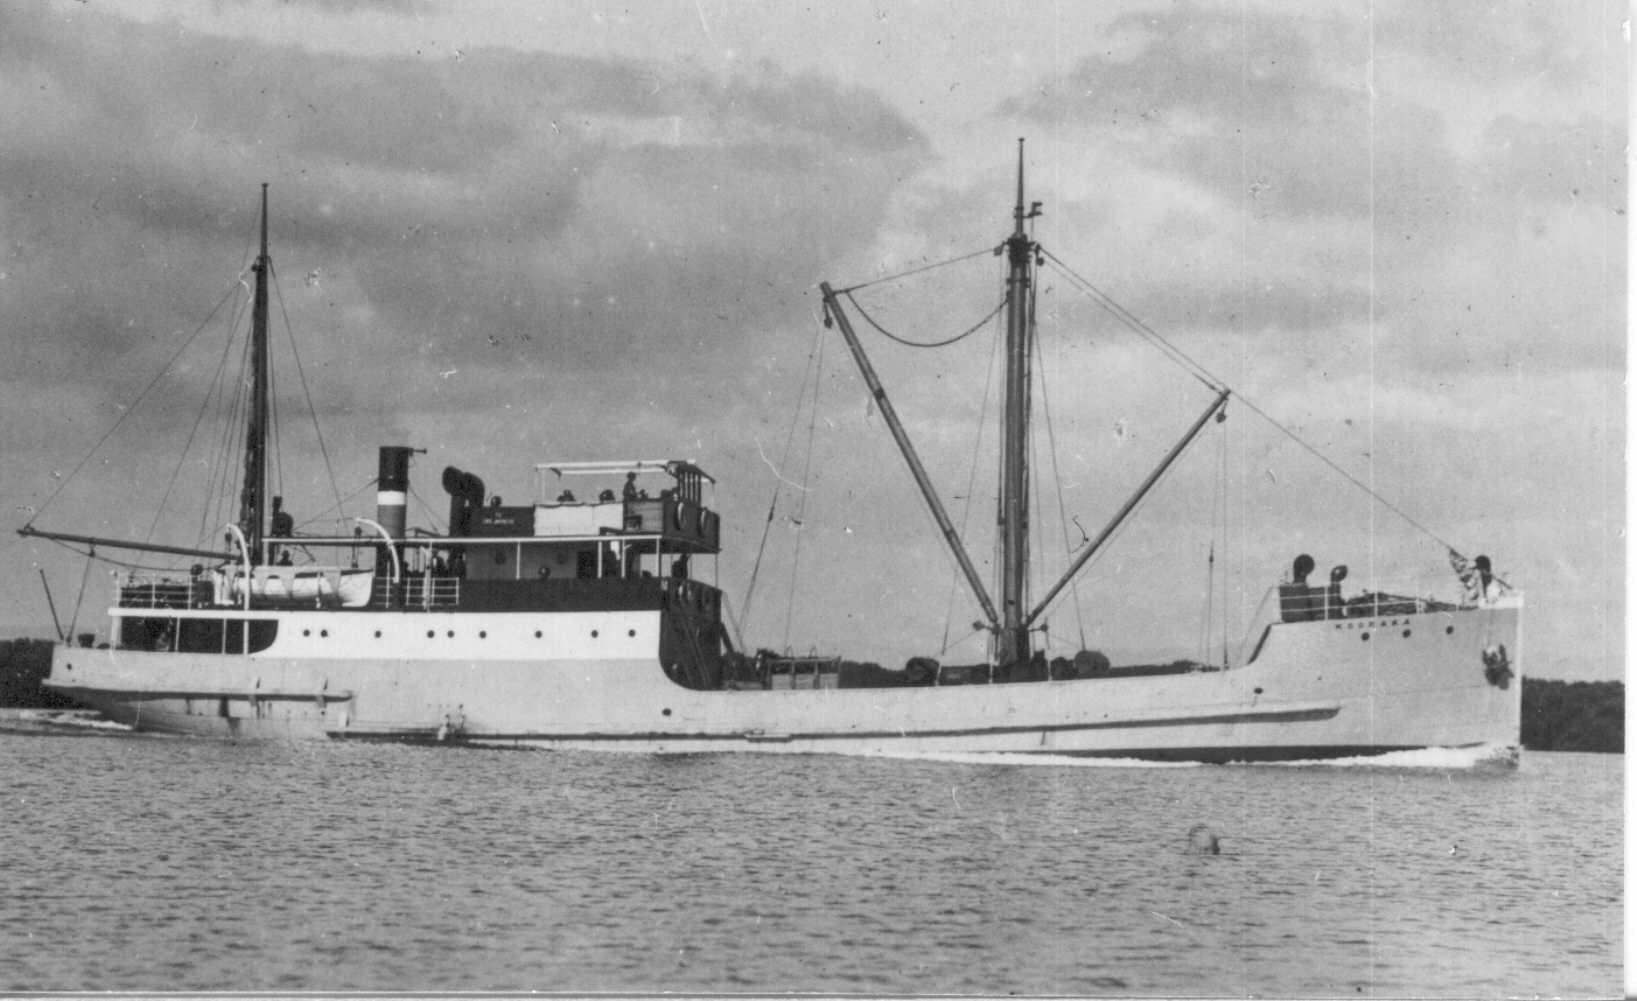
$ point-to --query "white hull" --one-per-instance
(591, 680)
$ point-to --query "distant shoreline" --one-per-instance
(1557, 715)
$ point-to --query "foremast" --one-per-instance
(253, 496)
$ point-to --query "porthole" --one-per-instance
(483, 634)
(306, 632)
(1449, 630)
(1406, 634)
(451, 634)
(377, 634)
(593, 634)
(323, 632)
(665, 712)
(630, 632)
(430, 633)
(1365, 637)
(537, 634)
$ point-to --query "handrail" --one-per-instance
(392, 546)
(249, 582)
(244, 550)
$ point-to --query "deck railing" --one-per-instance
(153, 591)
(417, 592)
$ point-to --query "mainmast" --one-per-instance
(253, 498)
(1012, 639)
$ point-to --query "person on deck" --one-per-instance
(1300, 569)
(1297, 601)
(1333, 608)
(284, 526)
(630, 486)
(1478, 583)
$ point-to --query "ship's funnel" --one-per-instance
(392, 489)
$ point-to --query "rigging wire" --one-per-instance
(1344, 474)
(222, 504)
(1035, 550)
(801, 503)
(234, 446)
(1222, 491)
(181, 459)
(1205, 615)
(935, 344)
(778, 478)
(274, 430)
(73, 620)
(1219, 520)
(339, 507)
(131, 406)
(229, 461)
(1204, 375)
(306, 391)
(916, 271)
(1125, 316)
(971, 481)
(226, 457)
(431, 513)
(1057, 478)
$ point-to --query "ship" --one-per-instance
(577, 624)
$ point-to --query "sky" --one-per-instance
(512, 233)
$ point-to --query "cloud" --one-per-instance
(1472, 38)
(505, 209)
(1289, 175)
(404, 8)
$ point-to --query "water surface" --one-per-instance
(136, 862)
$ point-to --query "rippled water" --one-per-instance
(135, 862)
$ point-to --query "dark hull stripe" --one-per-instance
(1229, 755)
(96, 697)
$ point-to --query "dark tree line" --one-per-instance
(23, 665)
(1574, 715)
